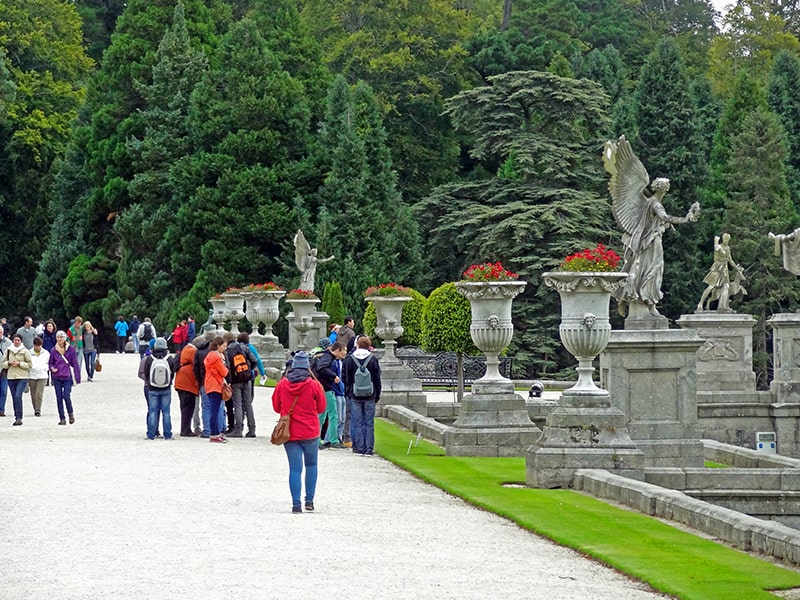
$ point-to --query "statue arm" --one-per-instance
(324, 260)
(691, 216)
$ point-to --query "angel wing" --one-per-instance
(301, 248)
(627, 185)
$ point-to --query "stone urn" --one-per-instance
(491, 328)
(218, 306)
(388, 312)
(585, 329)
(234, 309)
(303, 320)
(262, 307)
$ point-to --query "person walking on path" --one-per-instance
(49, 335)
(155, 370)
(121, 329)
(145, 334)
(325, 371)
(62, 359)
(27, 332)
(75, 335)
(364, 392)
(301, 396)
(37, 379)
(17, 359)
(133, 327)
(215, 373)
(89, 348)
(5, 344)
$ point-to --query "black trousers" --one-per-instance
(188, 400)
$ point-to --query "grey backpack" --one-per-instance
(362, 381)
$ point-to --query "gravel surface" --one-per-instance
(95, 511)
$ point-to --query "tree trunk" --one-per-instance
(506, 15)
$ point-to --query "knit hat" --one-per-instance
(324, 343)
(300, 360)
(161, 344)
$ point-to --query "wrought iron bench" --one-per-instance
(442, 368)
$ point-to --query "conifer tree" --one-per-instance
(759, 204)
(669, 144)
(333, 302)
(783, 95)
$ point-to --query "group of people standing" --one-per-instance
(32, 358)
(336, 385)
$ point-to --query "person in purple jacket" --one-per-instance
(62, 358)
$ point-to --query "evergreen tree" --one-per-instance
(43, 69)
(361, 211)
(669, 144)
(333, 303)
(759, 204)
(783, 95)
(553, 206)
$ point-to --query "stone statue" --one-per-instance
(209, 324)
(305, 257)
(720, 287)
(643, 218)
(790, 246)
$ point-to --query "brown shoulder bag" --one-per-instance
(280, 435)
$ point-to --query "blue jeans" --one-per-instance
(3, 394)
(332, 433)
(341, 409)
(17, 386)
(362, 426)
(158, 402)
(88, 359)
(205, 409)
(301, 452)
(215, 402)
(63, 388)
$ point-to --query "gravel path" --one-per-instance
(95, 511)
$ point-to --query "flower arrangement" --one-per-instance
(233, 290)
(387, 289)
(301, 295)
(270, 286)
(489, 272)
(591, 259)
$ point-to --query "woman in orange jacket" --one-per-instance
(215, 377)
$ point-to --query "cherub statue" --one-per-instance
(305, 257)
(720, 287)
(643, 218)
(789, 245)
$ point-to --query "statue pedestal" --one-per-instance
(319, 322)
(272, 354)
(639, 318)
(651, 376)
(785, 386)
(493, 421)
(400, 387)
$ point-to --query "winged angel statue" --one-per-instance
(642, 217)
(305, 257)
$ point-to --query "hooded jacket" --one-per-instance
(304, 422)
(21, 355)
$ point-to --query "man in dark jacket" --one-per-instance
(362, 402)
(242, 399)
(323, 370)
(346, 334)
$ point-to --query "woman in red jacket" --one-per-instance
(215, 376)
(301, 395)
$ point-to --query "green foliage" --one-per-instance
(411, 320)
(759, 203)
(783, 95)
(556, 206)
(84, 288)
(99, 21)
(446, 318)
(669, 145)
(333, 303)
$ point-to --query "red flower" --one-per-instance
(591, 259)
(489, 272)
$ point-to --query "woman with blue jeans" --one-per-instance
(89, 348)
(362, 406)
(302, 398)
(17, 360)
(62, 359)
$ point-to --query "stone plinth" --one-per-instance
(725, 360)
(272, 354)
(651, 376)
(400, 387)
(785, 386)
(493, 421)
(639, 318)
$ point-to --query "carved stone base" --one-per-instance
(400, 387)
(639, 317)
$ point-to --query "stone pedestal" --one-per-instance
(493, 421)
(319, 329)
(399, 386)
(273, 355)
(639, 318)
(728, 408)
(651, 376)
(785, 386)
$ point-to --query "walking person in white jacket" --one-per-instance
(37, 376)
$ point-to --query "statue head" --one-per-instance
(660, 185)
(726, 237)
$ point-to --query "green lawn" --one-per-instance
(670, 560)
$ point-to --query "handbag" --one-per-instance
(227, 391)
(4, 372)
(280, 435)
(97, 366)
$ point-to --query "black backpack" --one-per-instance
(147, 334)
